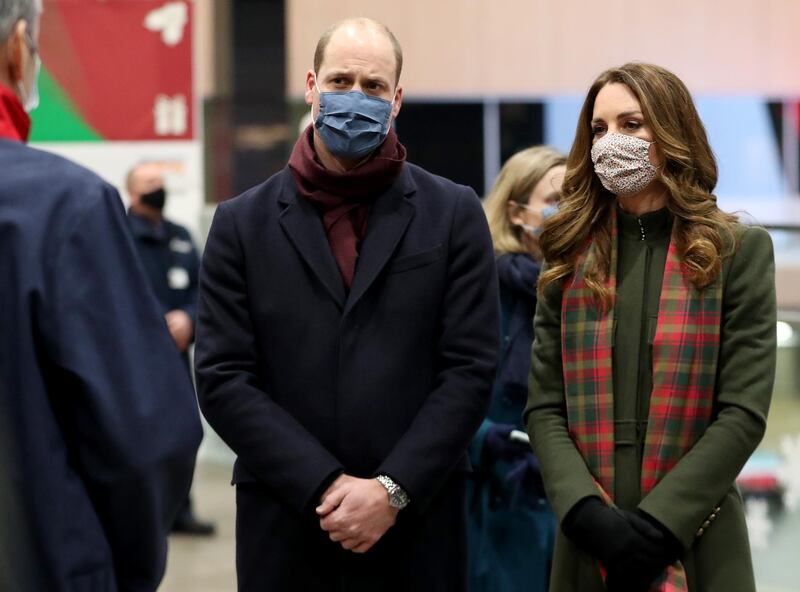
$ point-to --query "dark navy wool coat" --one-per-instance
(304, 380)
(99, 425)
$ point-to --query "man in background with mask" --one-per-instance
(346, 344)
(98, 419)
(171, 264)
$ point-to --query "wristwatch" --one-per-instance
(398, 498)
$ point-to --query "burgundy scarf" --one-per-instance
(344, 199)
(14, 122)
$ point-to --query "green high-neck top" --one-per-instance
(641, 256)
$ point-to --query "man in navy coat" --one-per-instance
(346, 344)
(98, 421)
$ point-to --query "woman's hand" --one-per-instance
(633, 548)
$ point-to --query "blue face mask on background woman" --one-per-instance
(545, 213)
(351, 123)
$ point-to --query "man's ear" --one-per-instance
(17, 52)
(398, 101)
(310, 88)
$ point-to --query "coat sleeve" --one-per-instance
(566, 477)
(475, 450)
(268, 440)
(467, 347)
(121, 393)
(688, 493)
(193, 267)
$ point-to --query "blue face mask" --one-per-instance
(351, 123)
(545, 213)
(549, 212)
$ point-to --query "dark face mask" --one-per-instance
(155, 199)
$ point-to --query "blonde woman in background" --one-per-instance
(511, 526)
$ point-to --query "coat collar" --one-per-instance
(389, 217)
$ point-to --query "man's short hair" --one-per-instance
(322, 44)
(13, 11)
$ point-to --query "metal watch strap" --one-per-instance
(398, 498)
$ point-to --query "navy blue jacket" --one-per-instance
(100, 427)
(303, 379)
(511, 541)
(170, 262)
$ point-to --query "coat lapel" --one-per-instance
(388, 220)
(302, 224)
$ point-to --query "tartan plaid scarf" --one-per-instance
(685, 352)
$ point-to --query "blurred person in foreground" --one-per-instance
(654, 352)
(511, 525)
(346, 344)
(171, 264)
(100, 426)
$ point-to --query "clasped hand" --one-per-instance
(356, 513)
(635, 549)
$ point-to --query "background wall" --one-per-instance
(509, 47)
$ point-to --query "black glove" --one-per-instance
(637, 571)
(634, 548)
(498, 446)
(526, 477)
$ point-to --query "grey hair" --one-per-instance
(13, 11)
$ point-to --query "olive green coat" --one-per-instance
(697, 500)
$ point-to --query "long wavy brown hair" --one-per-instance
(702, 232)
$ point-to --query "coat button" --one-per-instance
(700, 532)
(712, 517)
(706, 524)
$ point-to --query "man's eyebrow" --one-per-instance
(338, 73)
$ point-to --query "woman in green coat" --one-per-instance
(654, 352)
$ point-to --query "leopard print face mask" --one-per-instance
(623, 163)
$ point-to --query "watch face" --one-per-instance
(398, 500)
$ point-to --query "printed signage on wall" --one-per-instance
(115, 70)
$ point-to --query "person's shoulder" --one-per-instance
(749, 238)
(436, 185)
(255, 198)
(176, 229)
(750, 251)
(56, 181)
(51, 169)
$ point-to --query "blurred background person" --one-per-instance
(171, 264)
(511, 525)
(662, 308)
(100, 426)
